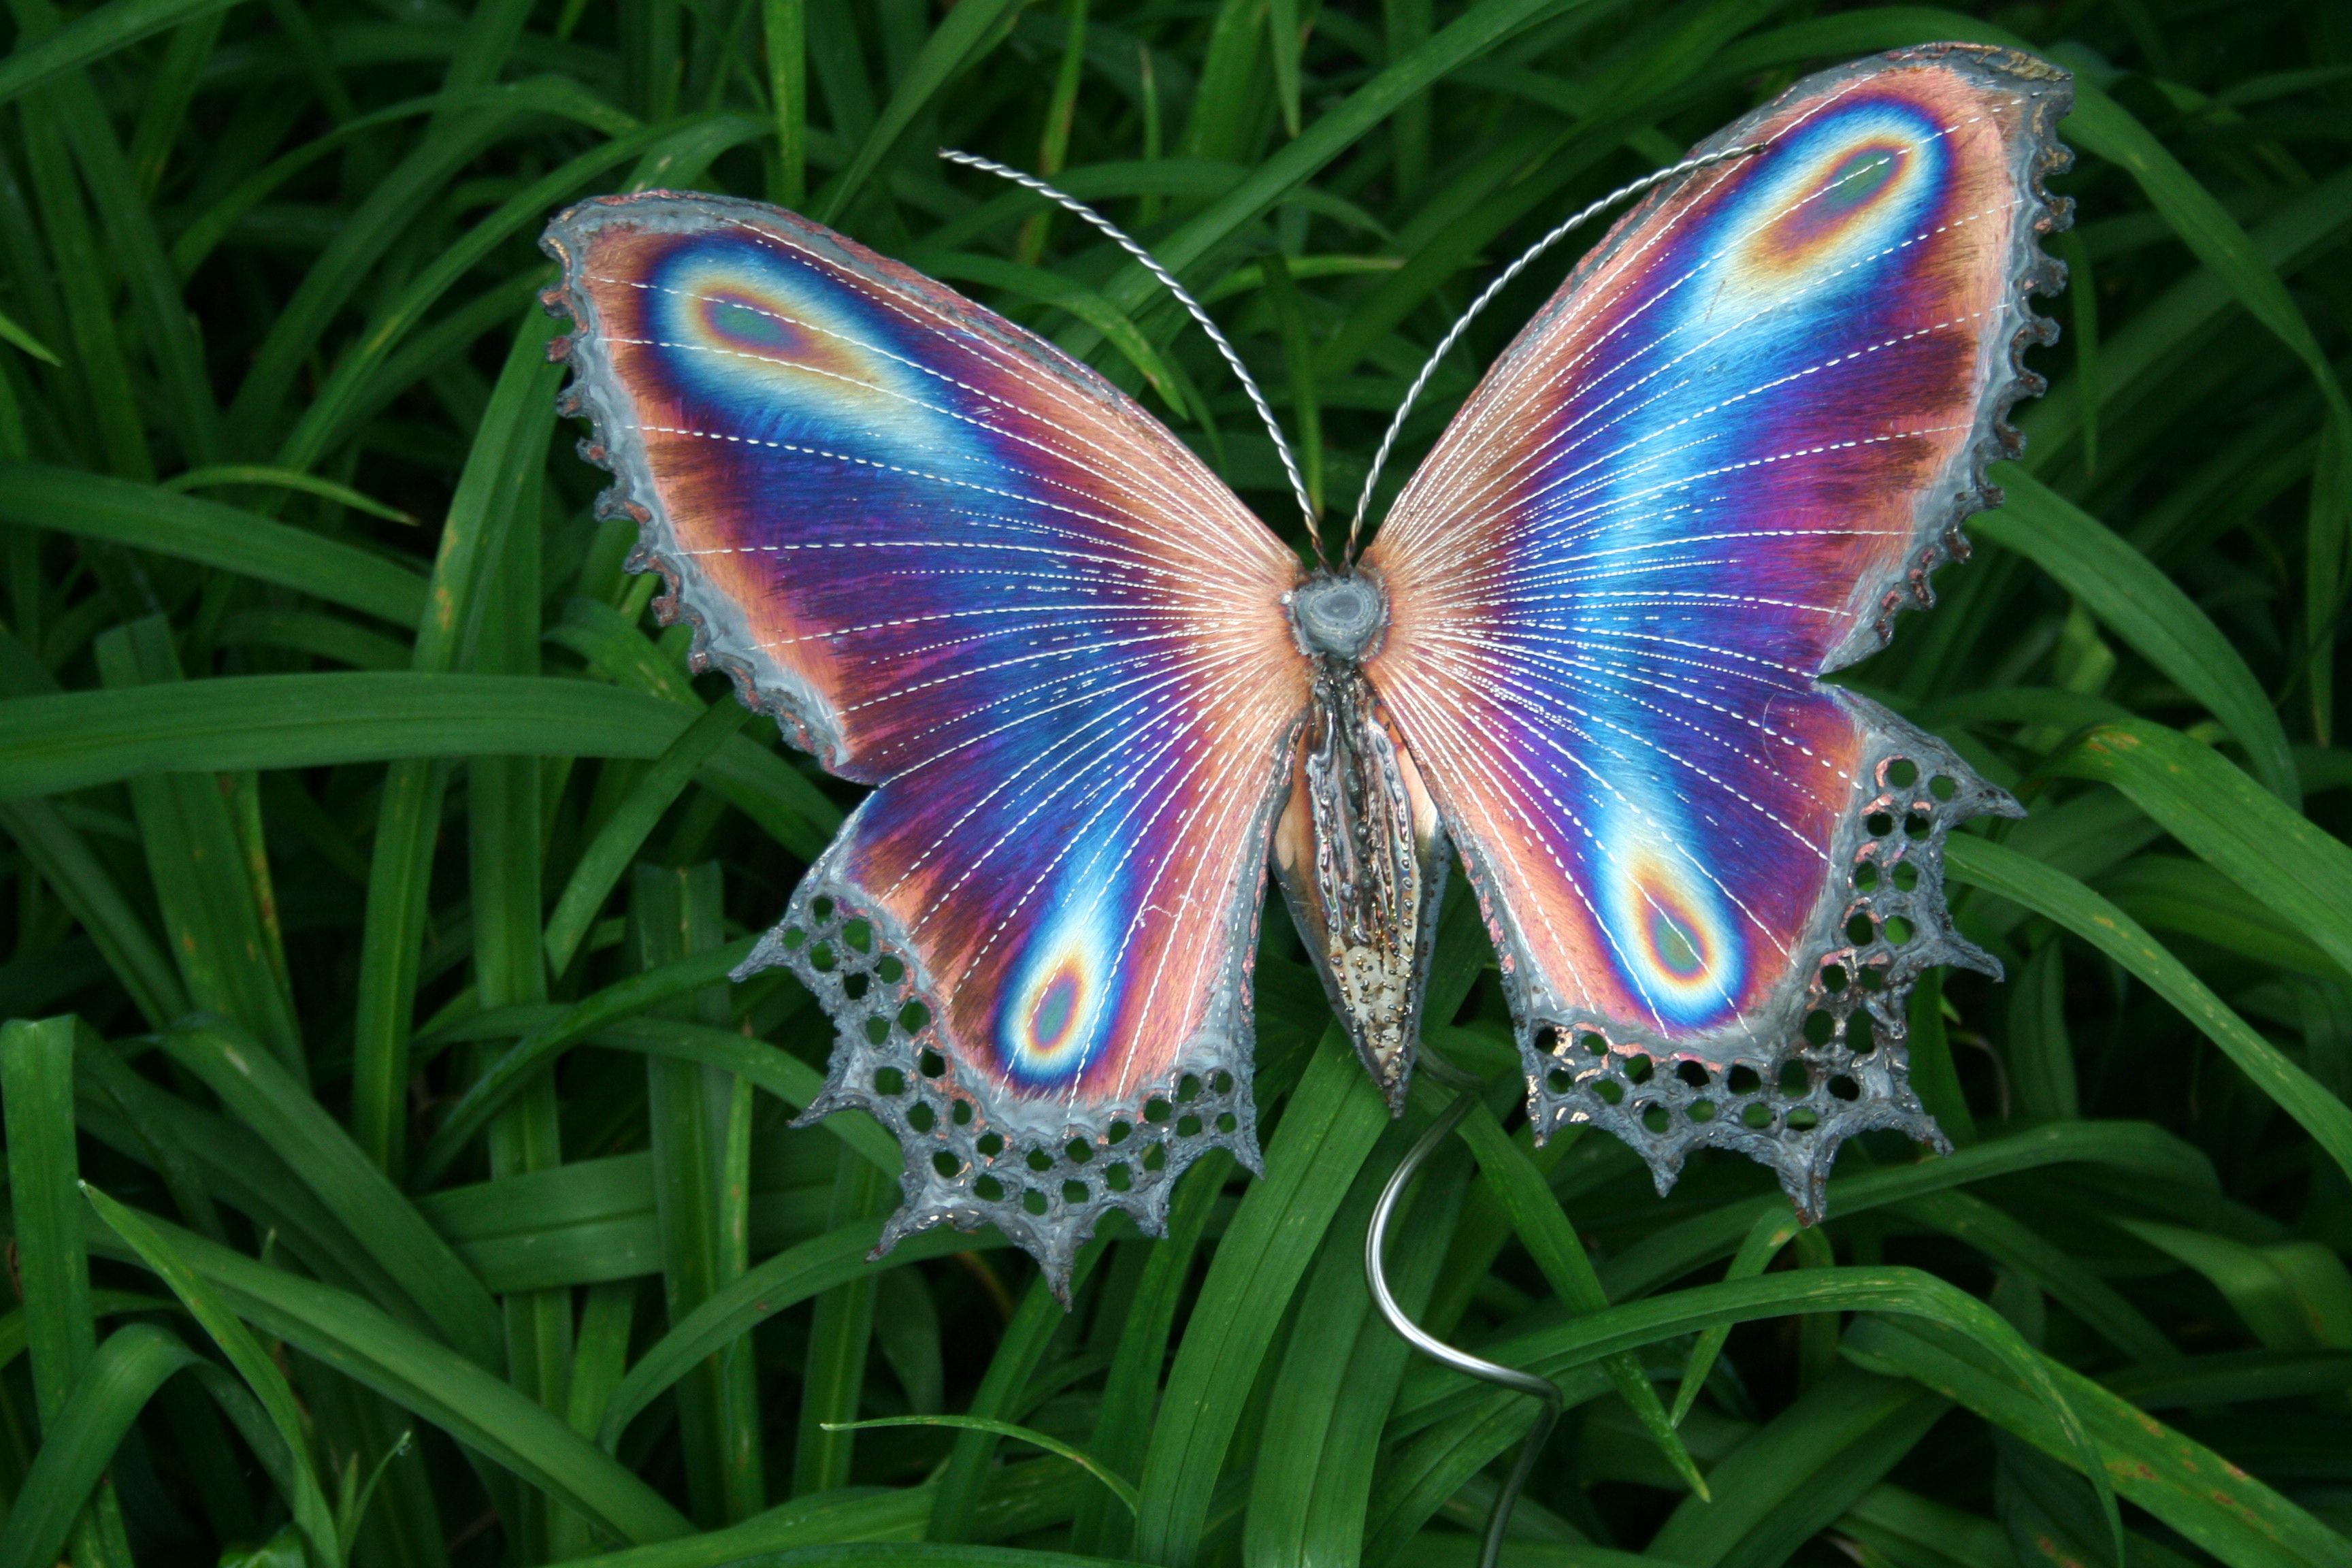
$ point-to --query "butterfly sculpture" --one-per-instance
(1093, 695)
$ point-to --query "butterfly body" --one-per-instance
(1093, 696)
(1360, 852)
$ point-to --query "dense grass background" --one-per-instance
(372, 861)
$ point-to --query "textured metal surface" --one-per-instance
(974, 1156)
(1362, 864)
(1827, 1059)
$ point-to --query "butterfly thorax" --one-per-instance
(1339, 616)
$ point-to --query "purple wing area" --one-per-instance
(1711, 470)
(963, 569)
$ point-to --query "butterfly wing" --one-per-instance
(963, 569)
(1711, 470)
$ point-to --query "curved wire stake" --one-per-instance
(1168, 281)
(1486, 296)
(1542, 1389)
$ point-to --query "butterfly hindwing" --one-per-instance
(1710, 470)
(964, 570)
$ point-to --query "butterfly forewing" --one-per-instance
(963, 569)
(1707, 472)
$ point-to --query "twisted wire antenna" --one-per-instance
(1541, 1389)
(1167, 280)
(1527, 259)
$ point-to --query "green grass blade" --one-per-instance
(89, 891)
(165, 114)
(2136, 1149)
(1229, 107)
(501, 465)
(504, 863)
(1982, 864)
(137, 252)
(150, 518)
(283, 478)
(602, 1354)
(641, 993)
(317, 635)
(239, 1171)
(199, 237)
(1131, 1390)
(1118, 1486)
(1472, 33)
(301, 326)
(2019, 1248)
(675, 918)
(784, 1280)
(400, 870)
(2144, 608)
(51, 1257)
(81, 1437)
(2198, 901)
(1770, 1232)
(1330, 1125)
(108, 403)
(92, 36)
(2231, 1376)
(10, 333)
(101, 1073)
(412, 1371)
(216, 904)
(491, 32)
(840, 1332)
(616, 844)
(609, 640)
(51, 1260)
(1299, 361)
(1019, 1354)
(2040, 1056)
(73, 740)
(2101, 125)
(2188, 314)
(1801, 1471)
(262, 1095)
(329, 414)
(2327, 566)
(784, 29)
(764, 1067)
(1537, 1216)
(2187, 1485)
(1315, 1467)
(2276, 855)
(953, 46)
(2293, 1295)
(261, 1375)
(1904, 1291)
(1434, 1465)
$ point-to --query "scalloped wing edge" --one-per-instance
(1827, 1058)
(721, 640)
(1043, 1172)
(2049, 93)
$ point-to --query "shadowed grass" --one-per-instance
(373, 859)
